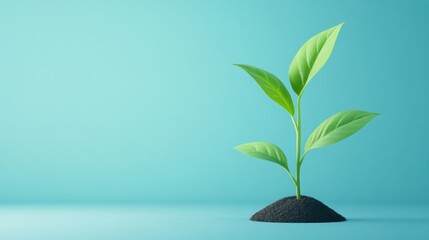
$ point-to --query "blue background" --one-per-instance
(138, 101)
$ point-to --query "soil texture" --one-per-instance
(291, 210)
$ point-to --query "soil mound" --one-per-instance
(291, 210)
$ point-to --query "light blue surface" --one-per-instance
(204, 222)
(138, 101)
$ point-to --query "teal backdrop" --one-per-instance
(138, 101)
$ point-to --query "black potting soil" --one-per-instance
(304, 210)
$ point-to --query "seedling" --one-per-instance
(310, 58)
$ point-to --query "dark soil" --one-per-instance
(291, 210)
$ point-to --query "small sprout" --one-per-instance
(310, 58)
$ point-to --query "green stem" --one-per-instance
(291, 176)
(298, 149)
(302, 158)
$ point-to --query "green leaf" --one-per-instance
(264, 150)
(338, 127)
(311, 57)
(272, 86)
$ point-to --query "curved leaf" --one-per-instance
(264, 150)
(272, 86)
(311, 57)
(338, 127)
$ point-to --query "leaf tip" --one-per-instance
(339, 26)
(374, 114)
(238, 147)
(245, 67)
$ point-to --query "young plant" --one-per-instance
(310, 58)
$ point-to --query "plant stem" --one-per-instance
(298, 149)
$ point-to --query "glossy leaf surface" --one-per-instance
(264, 150)
(338, 127)
(311, 57)
(271, 85)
